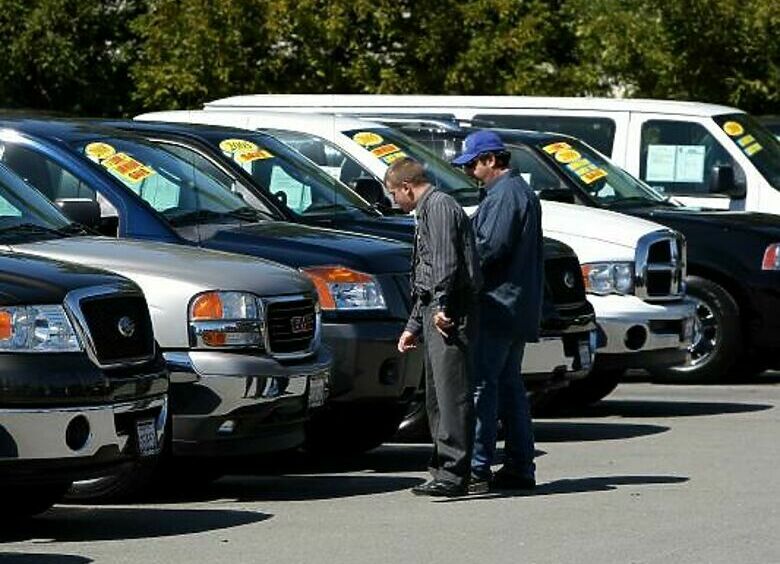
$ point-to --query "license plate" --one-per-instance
(585, 355)
(147, 437)
(317, 390)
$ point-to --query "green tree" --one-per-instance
(66, 55)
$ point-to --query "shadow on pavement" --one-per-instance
(84, 524)
(290, 488)
(575, 486)
(559, 432)
(41, 558)
(660, 408)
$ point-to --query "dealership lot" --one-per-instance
(653, 474)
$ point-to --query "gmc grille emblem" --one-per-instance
(126, 327)
(302, 323)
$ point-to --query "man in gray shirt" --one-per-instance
(508, 230)
(445, 283)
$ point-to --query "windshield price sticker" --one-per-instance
(752, 149)
(99, 150)
(236, 145)
(555, 147)
(733, 129)
(566, 156)
(391, 158)
(244, 157)
(127, 167)
(367, 138)
(592, 175)
(385, 150)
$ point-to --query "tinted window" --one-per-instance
(677, 157)
(596, 132)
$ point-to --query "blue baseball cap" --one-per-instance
(477, 143)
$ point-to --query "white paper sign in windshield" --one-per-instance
(675, 163)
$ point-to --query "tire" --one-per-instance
(580, 393)
(125, 485)
(21, 502)
(717, 342)
(353, 429)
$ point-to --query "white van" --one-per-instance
(642, 330)
(702, 154)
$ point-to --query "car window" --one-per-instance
(325, 154)
(598, 132)
(677, 157)
(533, 171)
(756, 142)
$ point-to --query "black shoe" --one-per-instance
(479, 485)
(506, 479)
(439, 488)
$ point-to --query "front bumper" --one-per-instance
(58, 445)
(640, 334)
(367, 366)
(229, 404)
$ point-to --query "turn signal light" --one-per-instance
(771, 257)
(6, 326)
(207, 306)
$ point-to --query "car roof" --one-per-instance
(193, 130)
(314, 123)
(334, 102)
(63, 130)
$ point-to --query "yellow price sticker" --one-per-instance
(235, 145)
(99, 150)
(367, 138)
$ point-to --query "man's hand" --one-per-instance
(407, 341)
(442, 323)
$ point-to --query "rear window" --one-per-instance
(596, 132)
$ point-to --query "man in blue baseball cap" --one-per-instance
(508, 230)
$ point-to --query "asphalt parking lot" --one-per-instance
(653, 474)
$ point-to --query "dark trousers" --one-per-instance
(449, 398)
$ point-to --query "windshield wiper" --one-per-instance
(248, 214)
(195, 216)
(326, 206)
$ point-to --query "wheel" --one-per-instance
(353, 429)
(26, 501)
(583, 392)
(122, 486)
(717, 335)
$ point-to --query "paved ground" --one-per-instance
(656, 474)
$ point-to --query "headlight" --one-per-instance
(609, 277)
(771, 257)
(41, 328)
(341, 288)
(226, 319)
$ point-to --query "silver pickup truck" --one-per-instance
(241, 337)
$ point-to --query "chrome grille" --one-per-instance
(114, 324)
(660, 266)
(292, 326)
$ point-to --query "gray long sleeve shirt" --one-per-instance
(445, 269)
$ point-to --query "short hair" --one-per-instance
(502, 158)
(406, 169)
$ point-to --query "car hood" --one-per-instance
(171, 275)
(31, 280)
(679, 218)
(301, 245)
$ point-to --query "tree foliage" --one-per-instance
(119, 56)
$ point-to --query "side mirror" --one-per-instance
(371, 190)
(80, 210)
(563, 195)
(722, 181)
(281, 196)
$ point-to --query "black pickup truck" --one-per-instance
(83, 387)
(293, 189)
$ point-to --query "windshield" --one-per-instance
(594, 174)
(303, 187)
(25, 213)
(387, 145)
(756, 142)
(177, 189)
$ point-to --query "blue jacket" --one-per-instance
(508, 229)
